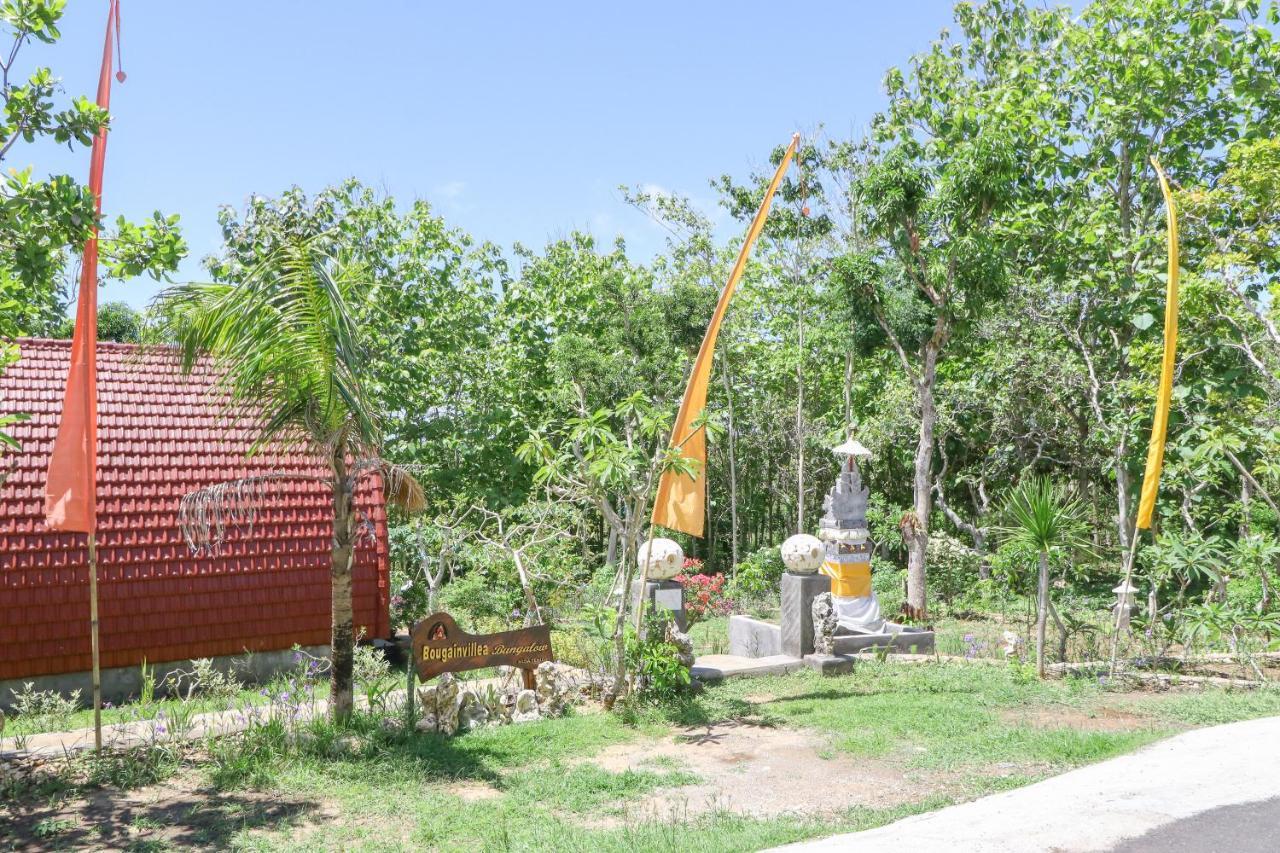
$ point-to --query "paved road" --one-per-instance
(1246, 828)
(1203, 791)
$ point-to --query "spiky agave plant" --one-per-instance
(291, 358)
(1043, 516)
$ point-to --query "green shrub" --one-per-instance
(1013, 565)
(888, 583)
(952, 566)
(757, 577)
(578, 647)
(660, 674)
(204, 679)
(476, 595)
(44, 710)
(373, 677)
(883, 520)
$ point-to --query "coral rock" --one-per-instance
(556, 688)
(447, 705)
(825, 620)
(683, 642)
(526, 708)
(472, 711)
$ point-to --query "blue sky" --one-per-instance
(516, 120)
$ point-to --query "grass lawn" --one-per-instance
(927, 734)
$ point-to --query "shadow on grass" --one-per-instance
(108, 819)
(699, 711)
(255, 759)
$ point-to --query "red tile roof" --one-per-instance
(161, 436)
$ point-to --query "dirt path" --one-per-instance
(763, 771)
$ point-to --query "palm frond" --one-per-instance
(287, 347)
(1042, 515)
(206, 515)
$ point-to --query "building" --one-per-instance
(162, 435)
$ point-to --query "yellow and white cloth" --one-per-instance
(855, 604)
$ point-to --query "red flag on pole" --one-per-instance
(70, 502)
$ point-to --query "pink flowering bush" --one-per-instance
(704, 594)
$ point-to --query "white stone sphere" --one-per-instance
(660, 559)
(803, 554)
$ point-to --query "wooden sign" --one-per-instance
(439, 645)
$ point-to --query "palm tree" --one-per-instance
(291, 358)
(1044, 517)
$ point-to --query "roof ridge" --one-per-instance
(65, 343)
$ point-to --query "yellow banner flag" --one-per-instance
(681, 500)
(1155, 450)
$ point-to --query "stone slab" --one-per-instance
(720, 667)
(664, 595)
(829, 664)
(914, 640)
(798, 593)
(754, 638)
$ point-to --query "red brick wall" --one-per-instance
(160, 437)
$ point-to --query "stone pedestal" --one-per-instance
(829, 664)
(798, 593)
(901, 639)
(665, 595)
(753, 638)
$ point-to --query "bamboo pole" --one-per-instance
(93, 642)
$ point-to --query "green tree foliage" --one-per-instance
(428, 321)
(974, 288)
(45, 221)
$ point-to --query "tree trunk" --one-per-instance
(611, 554)
(917, 528)
(342, 553)
(532, 613)
(1062, 631)
(1123, 484)
(630, 538)
(1042, 611)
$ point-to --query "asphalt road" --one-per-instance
(1244, 828)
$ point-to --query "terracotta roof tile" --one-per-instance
(161, 436)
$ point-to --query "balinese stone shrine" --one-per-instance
(829, 611)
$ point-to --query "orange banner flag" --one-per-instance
(1164, 395)
(70, 492)
(682, 500)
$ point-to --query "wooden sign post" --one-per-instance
(439, 645)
